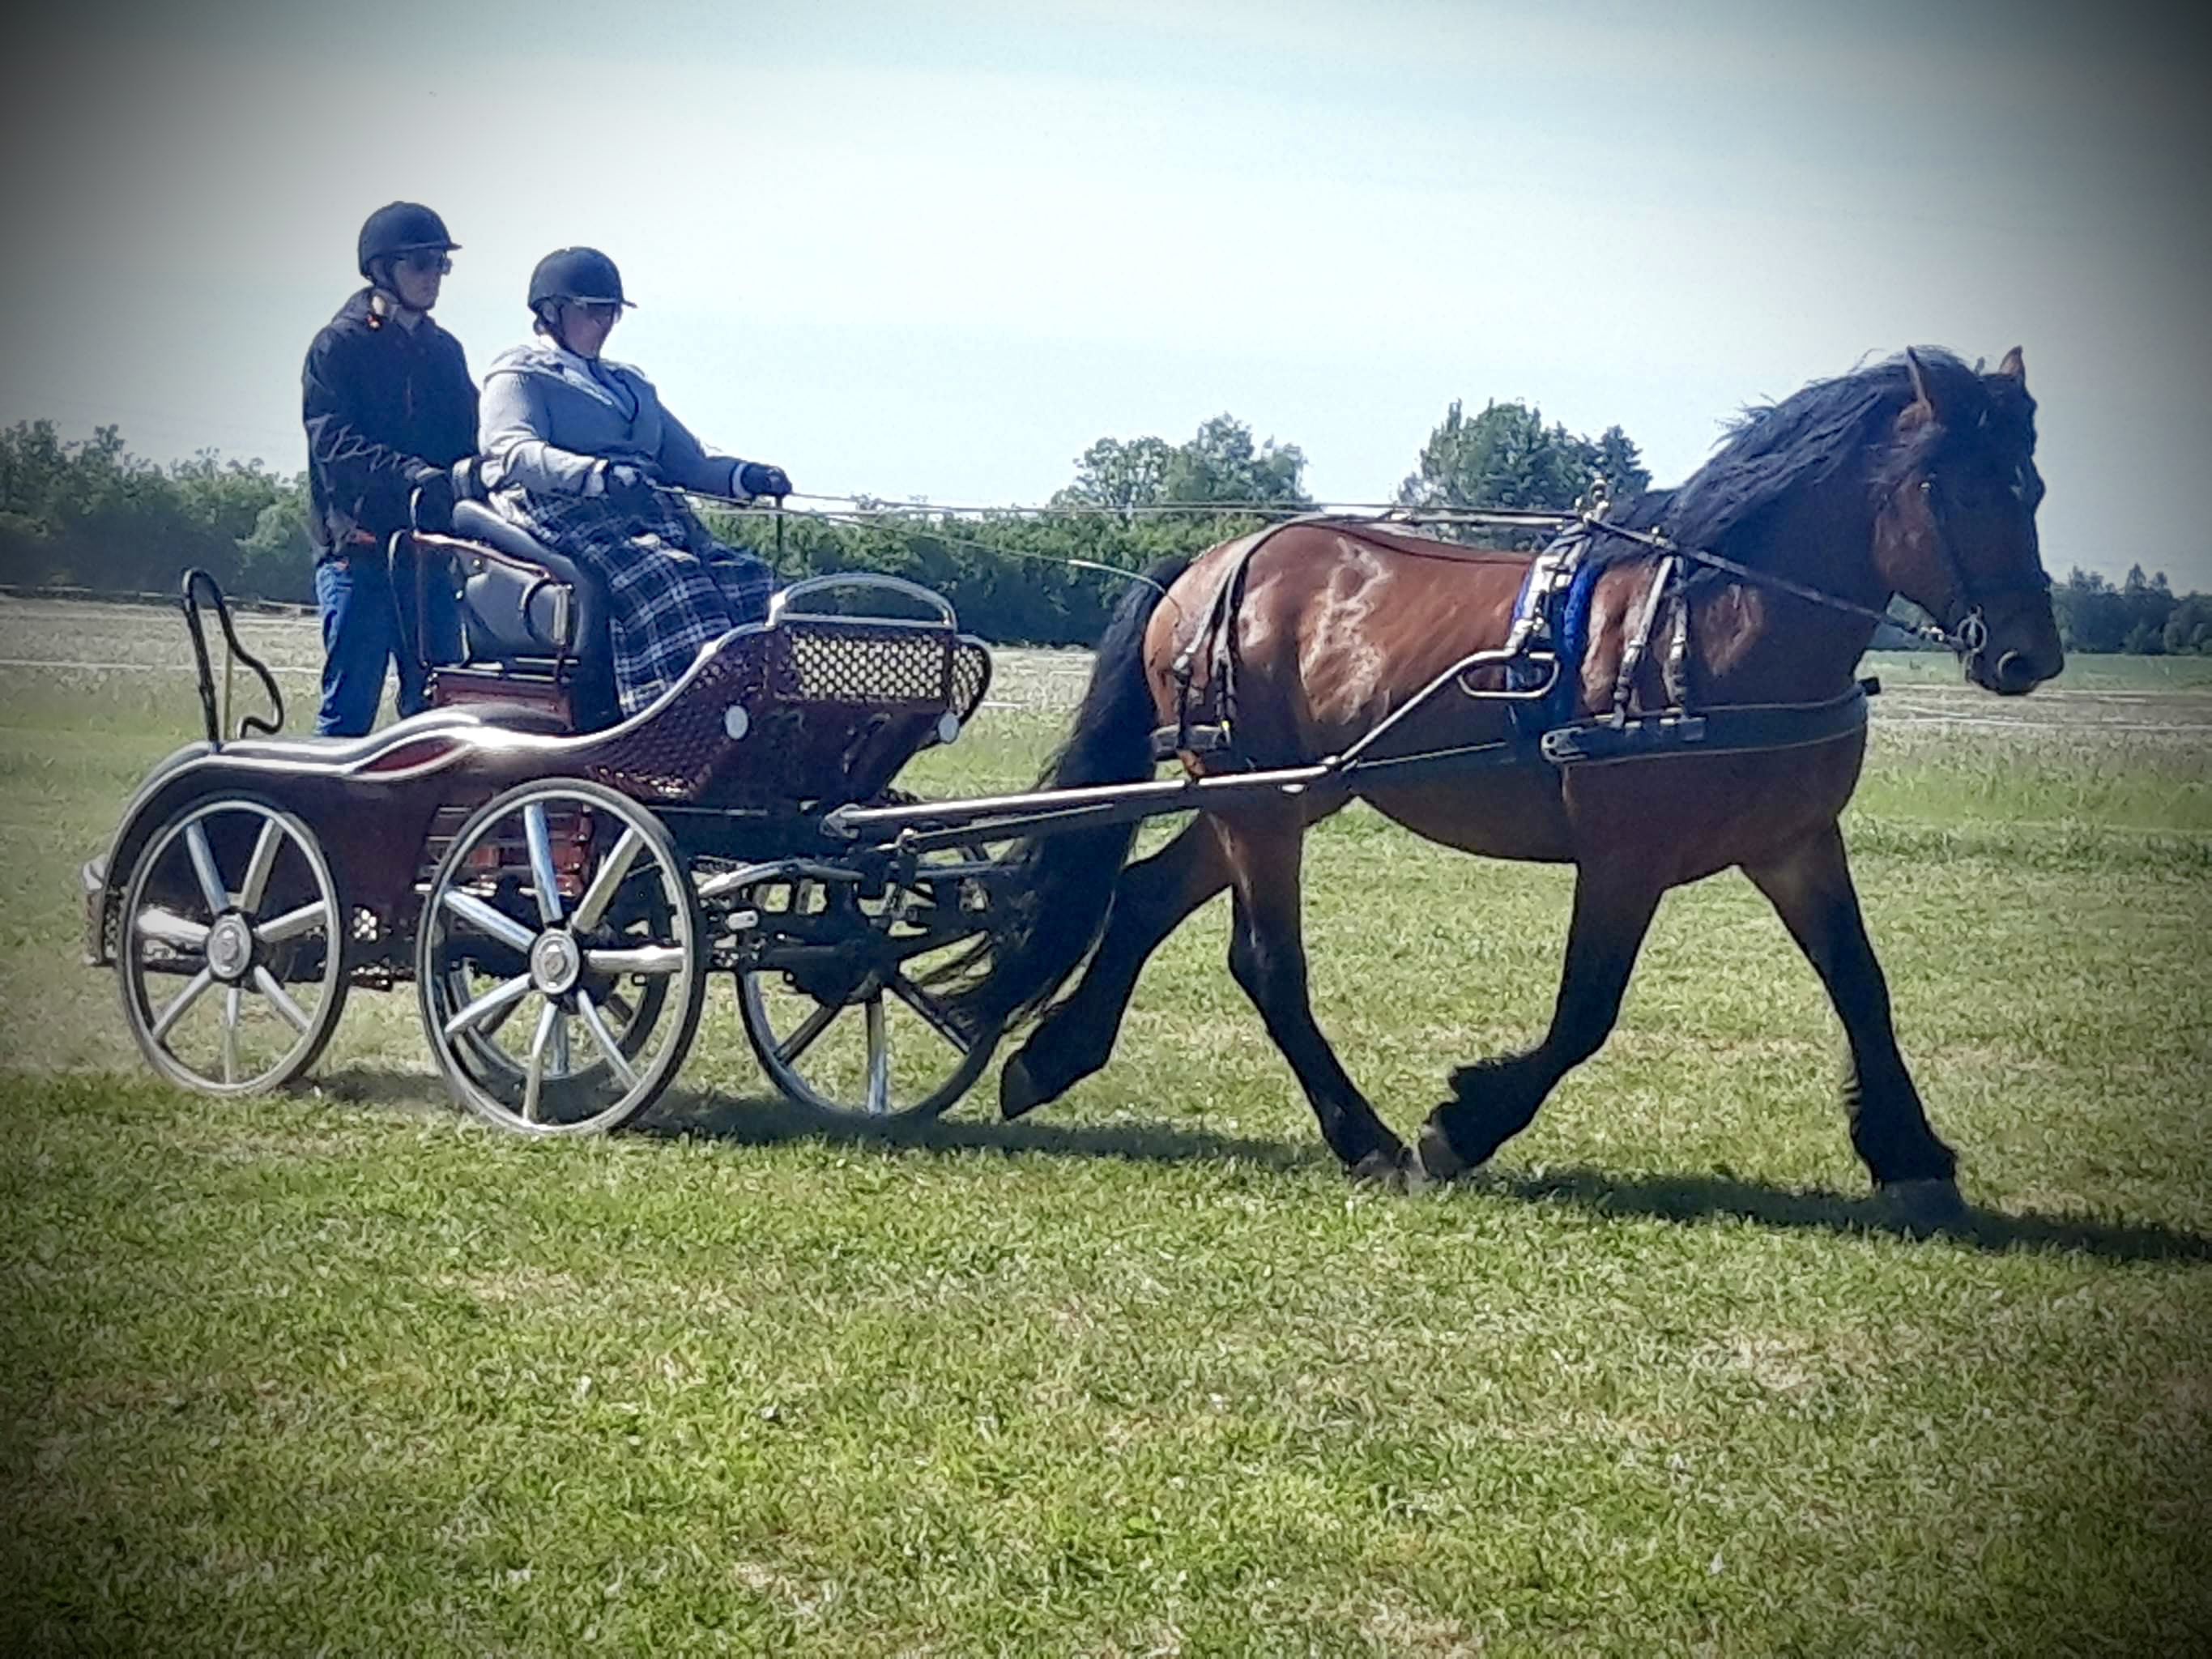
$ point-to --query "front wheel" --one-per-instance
(561, 962)
(837, 995)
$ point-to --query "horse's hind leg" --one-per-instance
(1811, 889)
(1075, 1038)
(1495, 1099)
(1267, 955)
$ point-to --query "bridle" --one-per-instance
(1963, 628)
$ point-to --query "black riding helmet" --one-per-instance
(401, 228)
(582, 276)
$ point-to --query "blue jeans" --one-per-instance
(363, 628)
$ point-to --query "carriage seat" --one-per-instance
(528, 610)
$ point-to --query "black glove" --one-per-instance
(432, 496)
(620, 481)
(759, 479)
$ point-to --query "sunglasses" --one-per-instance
(424, 261)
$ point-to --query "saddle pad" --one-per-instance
(1552, 613)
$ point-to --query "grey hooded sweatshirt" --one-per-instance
(548, 417)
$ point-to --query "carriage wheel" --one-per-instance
(561, 960)
(231, 952)
(866, 1039)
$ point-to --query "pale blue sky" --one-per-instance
(937, 251)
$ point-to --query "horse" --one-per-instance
(1914, 475)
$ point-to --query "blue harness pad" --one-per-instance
(1553, 610)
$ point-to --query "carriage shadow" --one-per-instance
(1683, 1199)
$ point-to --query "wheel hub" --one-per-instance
(556, 963)
(230, 948)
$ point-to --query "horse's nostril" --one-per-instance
(2014, 672)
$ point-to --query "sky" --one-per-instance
(935, 252)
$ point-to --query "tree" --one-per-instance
(1114, 474)
(1506, 456)
(1220, 463)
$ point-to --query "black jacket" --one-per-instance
(378, 399)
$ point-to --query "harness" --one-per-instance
(1538, 670)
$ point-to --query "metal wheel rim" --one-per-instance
(874, 1025)
(579, 1072)
(208, 920)
(770, 1046)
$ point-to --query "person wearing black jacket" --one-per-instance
(389, 408)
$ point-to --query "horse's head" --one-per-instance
(1955, 531)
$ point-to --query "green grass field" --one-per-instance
(343, 1372)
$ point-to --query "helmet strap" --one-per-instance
(385, 305)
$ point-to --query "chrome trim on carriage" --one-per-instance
(781, 599)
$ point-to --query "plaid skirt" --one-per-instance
(672, 589)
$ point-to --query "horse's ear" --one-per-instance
(1921, 410)
(2015, 366)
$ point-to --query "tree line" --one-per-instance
(88, 514)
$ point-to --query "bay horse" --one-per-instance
(1915, 476)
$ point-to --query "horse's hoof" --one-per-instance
(1434, 1158)
(1017, 1090)
(1926, 1206)
(1388, 1166)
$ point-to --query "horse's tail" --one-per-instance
(1055, 890)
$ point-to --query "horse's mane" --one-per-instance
(1774, 449)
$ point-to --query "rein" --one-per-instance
(1967, 640)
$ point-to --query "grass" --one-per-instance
(1142, 1375)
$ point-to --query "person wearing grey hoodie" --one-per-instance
(579, 452)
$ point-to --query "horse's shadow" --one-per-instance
(1681, 1198)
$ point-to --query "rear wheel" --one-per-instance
(230, 951)
(560, 962)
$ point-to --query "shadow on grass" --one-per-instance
(771, 1120)
(1688, 1198)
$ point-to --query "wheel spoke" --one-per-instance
(880, 1057)
(533, 1079)
(170, 1015)
(801, 1040)
(211, 888)
(279, 998)
(596, 1024)
(601, 892)
(167, 927)
(931, 1011)
(499, 1001)
(293, 923)
(231, 998)
(656, 959)
(540, 838)
(486, 918)
(257, 868)
(557, 1051)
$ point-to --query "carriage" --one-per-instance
(559, 885)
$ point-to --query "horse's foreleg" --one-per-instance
(1811, 889)
(1075, 1038)
(1267, 955)
(1494, 1100)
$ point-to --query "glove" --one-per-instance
(613, 478)
(759, 479)
(432, 496)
